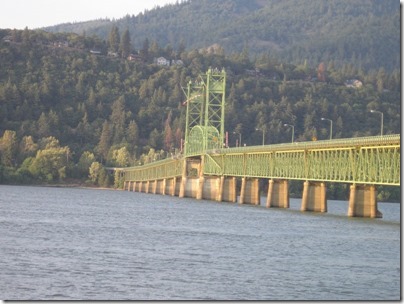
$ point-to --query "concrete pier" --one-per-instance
(249, 191)
(278, 194)
(362, 198)
(228, 189)
(210, 187)
(363, 201)
(314, 197)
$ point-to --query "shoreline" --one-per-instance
(77, 186)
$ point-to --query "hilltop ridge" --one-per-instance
(364, 33)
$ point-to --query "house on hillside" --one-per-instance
(61, 44)
(162, 61)
(178, 62)
(95, 52)
(8, 38)
(135, 57)
(112, 54)
(353, 83)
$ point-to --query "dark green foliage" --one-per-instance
(365, 33)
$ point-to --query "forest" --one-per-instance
(364, 33)
(67, 112)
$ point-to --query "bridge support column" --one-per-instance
(229, 190)
(177, 186)
(219, 197)
(249, 191)
(169, 186)
(278, 193)
(314, 197)
(183, 180)
(363, 201)
(154, 188)
(164, 186)
(209, 187)
(173, 186)
(199, 191)
(182, 187)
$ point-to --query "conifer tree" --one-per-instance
(114, 39)
(124, 46)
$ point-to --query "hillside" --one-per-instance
(68, 105)
(365, 33)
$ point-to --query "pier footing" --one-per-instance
(363, 201)
(314, 197)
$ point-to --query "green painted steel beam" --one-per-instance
(204, 126)
(154, 171)
(368, 160)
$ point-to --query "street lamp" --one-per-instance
(322, 118)
(263, 134)
(239, 134)
(381, 118)
(293, 131)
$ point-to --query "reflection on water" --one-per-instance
(80, 244)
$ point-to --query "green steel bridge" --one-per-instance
(364, 161)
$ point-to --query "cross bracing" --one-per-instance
(368, 160)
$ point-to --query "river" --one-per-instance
(88, 244)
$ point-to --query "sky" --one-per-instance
(18, 14)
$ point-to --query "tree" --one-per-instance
(105, 141)
(27, 148)
(43, 127)
(94, 171)
(118, 180)
(321, 72)
(50, 164)
(117, 118)
(154, 138)
(114, 39)
(168, 133)
(120, 157)
(98, 174)
(124, 46)
(8, 148)
(144, 52)
(85, 161)
(132, 135)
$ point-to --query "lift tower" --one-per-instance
(205, 103)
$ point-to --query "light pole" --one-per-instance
(239, 136)
(263, 135)
(322, 118)
(293, 131)
(381, 118)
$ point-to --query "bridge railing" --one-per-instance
(366, 160)
(166, 168)
(392, 139)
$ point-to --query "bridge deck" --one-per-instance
(365, 160)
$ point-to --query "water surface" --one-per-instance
(83, 244)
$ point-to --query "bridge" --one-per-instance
(208, 170)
